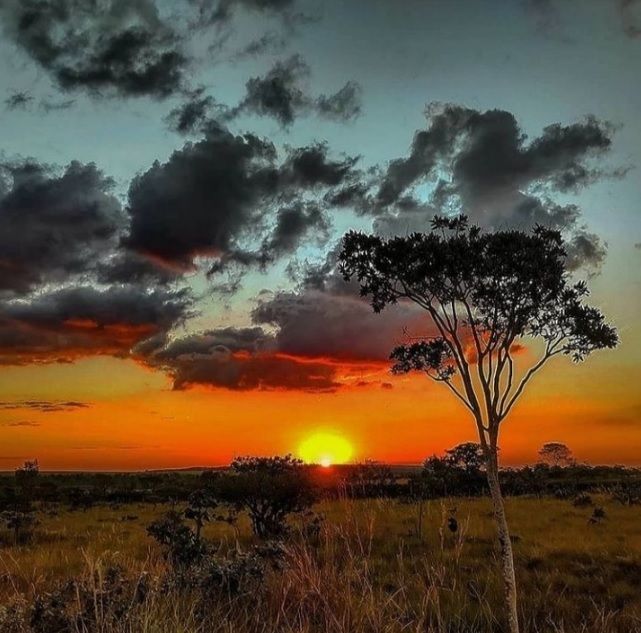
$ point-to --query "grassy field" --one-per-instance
(367, 570)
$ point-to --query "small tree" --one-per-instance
(484, 294)
(468, 456)
(556, 454)
(269, 489)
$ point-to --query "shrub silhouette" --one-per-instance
(269, 489)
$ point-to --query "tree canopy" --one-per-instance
(486, 292)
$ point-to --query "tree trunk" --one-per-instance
(505, 544)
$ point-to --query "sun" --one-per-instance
(325, 449)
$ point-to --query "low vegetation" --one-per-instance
(360, 549)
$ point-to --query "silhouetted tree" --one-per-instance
(468, 456)
(485, 293)
(556, 454)
(268, 488)
(19, 515)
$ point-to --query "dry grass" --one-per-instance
(368, 571)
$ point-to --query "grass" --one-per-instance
(368, 570)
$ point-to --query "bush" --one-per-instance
(269, 489)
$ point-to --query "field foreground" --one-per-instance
(373, 566)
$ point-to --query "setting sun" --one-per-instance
(325, 449)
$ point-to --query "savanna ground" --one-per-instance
(366, 570)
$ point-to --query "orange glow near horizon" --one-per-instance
(135, 421)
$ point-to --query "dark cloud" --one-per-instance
(120, 47)
(239, 359)
(18, 101)
(195, 113)
(344, 105)
(310, 166)
(50, 105)
(215, 198)
(631, 17)
(281, 93)
(21, 423)
(482, 164)
(315, 324)
(585, 250)
(44, 406)
(202, 199)
(284, 94)
(222, 10)
(549, 15)
(128, 267)
(270, 42)
(66, 324)
(53, 225)
(295, 223)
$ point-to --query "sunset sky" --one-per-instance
(175, 178)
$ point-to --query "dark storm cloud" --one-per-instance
(128, 267)
(284, 94)
(18, 101)
(53, 225)
(482, 164)
(293, 224)
(236, 358)
(118, 47)
(344, 105)
(66, 324)
(310, 166)
(215, 194)
(202, 199)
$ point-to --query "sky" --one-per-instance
(175, 180)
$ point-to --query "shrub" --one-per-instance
(269, 489)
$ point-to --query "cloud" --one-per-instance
(314, 323)
(482, 164)
(194, 114)
(222, 10)
(293, 224)
(202, 200)
(281, 93)
(18, 101)
(631, 17)
(53, 225)
(21, 423)
(63, 325)
(118, 47)
(549, 18)
(284, 94)
(44, 406)
(214, 199)
(310, 166)
(270, 42)
(238, 359)
(344, 105)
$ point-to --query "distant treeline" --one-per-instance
(459, 473)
